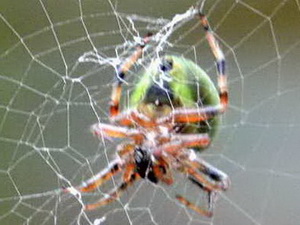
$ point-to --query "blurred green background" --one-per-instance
(48, 100)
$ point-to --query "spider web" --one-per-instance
(57, 65)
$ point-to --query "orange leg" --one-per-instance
(107, 131)
(216, 180)
(192, 206)
(162, 172)
(128, 171)
(125, 149)
(183, 115)
(103, 176)
(132, 117)
(191, 115)
(212, 195)
(122, 70)
(204, 184)
(115, 194)
(220, 59)
(113, 168)
(181, 142)
(213, 173)
(207, 185)
(197, 115)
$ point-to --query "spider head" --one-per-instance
(143, 161)
(144, 164)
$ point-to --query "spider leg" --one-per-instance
(106, 130)
(190, 164)
(192, 140)
(207, 184)
(113, 168)
(177, 149)
(115, 194)
(191, 115)
(182, 115)
(125, 148)
(220, 59)
(204, 184)
(181, 142)
(212, 172)
(128, 171)
(187, 203)
(121, 72)
(197, 115)
(162, 172)
(187, 166)
(212, 195)
(133, 116)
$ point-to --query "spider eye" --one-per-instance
(166, 65)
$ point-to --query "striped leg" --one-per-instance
(181, 142)
(194, 207)
(121, 72)
(212, 172)
(210, 179)
(111, 131)
(205, 185)
(193, 115)
(113, 168)
(115, 194)
(220, 60)
(162, 171)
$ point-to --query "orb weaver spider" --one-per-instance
(161, 125)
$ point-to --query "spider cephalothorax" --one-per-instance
(173, 113)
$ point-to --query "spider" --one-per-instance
(174, 112)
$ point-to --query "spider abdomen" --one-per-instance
(172, 82)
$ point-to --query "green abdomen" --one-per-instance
(184, 85)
